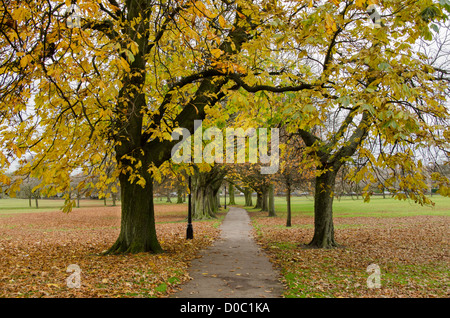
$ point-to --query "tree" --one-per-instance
(294, 170)
(118, 84)
(28, 191)
(253, 180)
(347, 83)
(136, 70)
(205, 189)
(231, 194)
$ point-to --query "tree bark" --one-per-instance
(231, 194)
(258, 200)
(323, 212)
(203, 203)
(271, 206)
(288, 199)
(248, 197)
(137, 228)
(205, 189)
(179, 194)
(264, 200)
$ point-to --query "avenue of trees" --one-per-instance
(356, 99)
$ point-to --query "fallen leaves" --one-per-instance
(36, 250)
(412, 253)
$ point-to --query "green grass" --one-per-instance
(348, 207)
(301, 206)
(342, 272)
(14, 205)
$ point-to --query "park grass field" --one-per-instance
(352, 207)
(38, 245)
(408, 242)
(15, 205)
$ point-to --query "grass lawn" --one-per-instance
(408, 242)
(348, 207)
(38, 245)
(15, 205)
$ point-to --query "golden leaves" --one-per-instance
(330, 24)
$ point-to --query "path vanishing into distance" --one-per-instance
(234, 266)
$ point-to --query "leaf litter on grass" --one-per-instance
(412, 253)
(36, 250)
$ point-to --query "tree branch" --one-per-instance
(276, 89)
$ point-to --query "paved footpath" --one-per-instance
(234, 266)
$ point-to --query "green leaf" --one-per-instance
(129, 54)
(383, 66)
(435, 28)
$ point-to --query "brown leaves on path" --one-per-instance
(37, 248)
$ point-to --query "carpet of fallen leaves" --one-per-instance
(411, 252)
(36, 250)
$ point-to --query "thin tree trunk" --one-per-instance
(271, 206)
(288, 199)
(218, 199)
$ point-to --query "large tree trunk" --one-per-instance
(248, 197)
(137, 228)
(231, 194)
(180, 190)
(258, 200)
(204, 203)
(264, 202)
(323, 212)
(205, 189)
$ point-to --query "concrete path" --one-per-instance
(234, 267)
